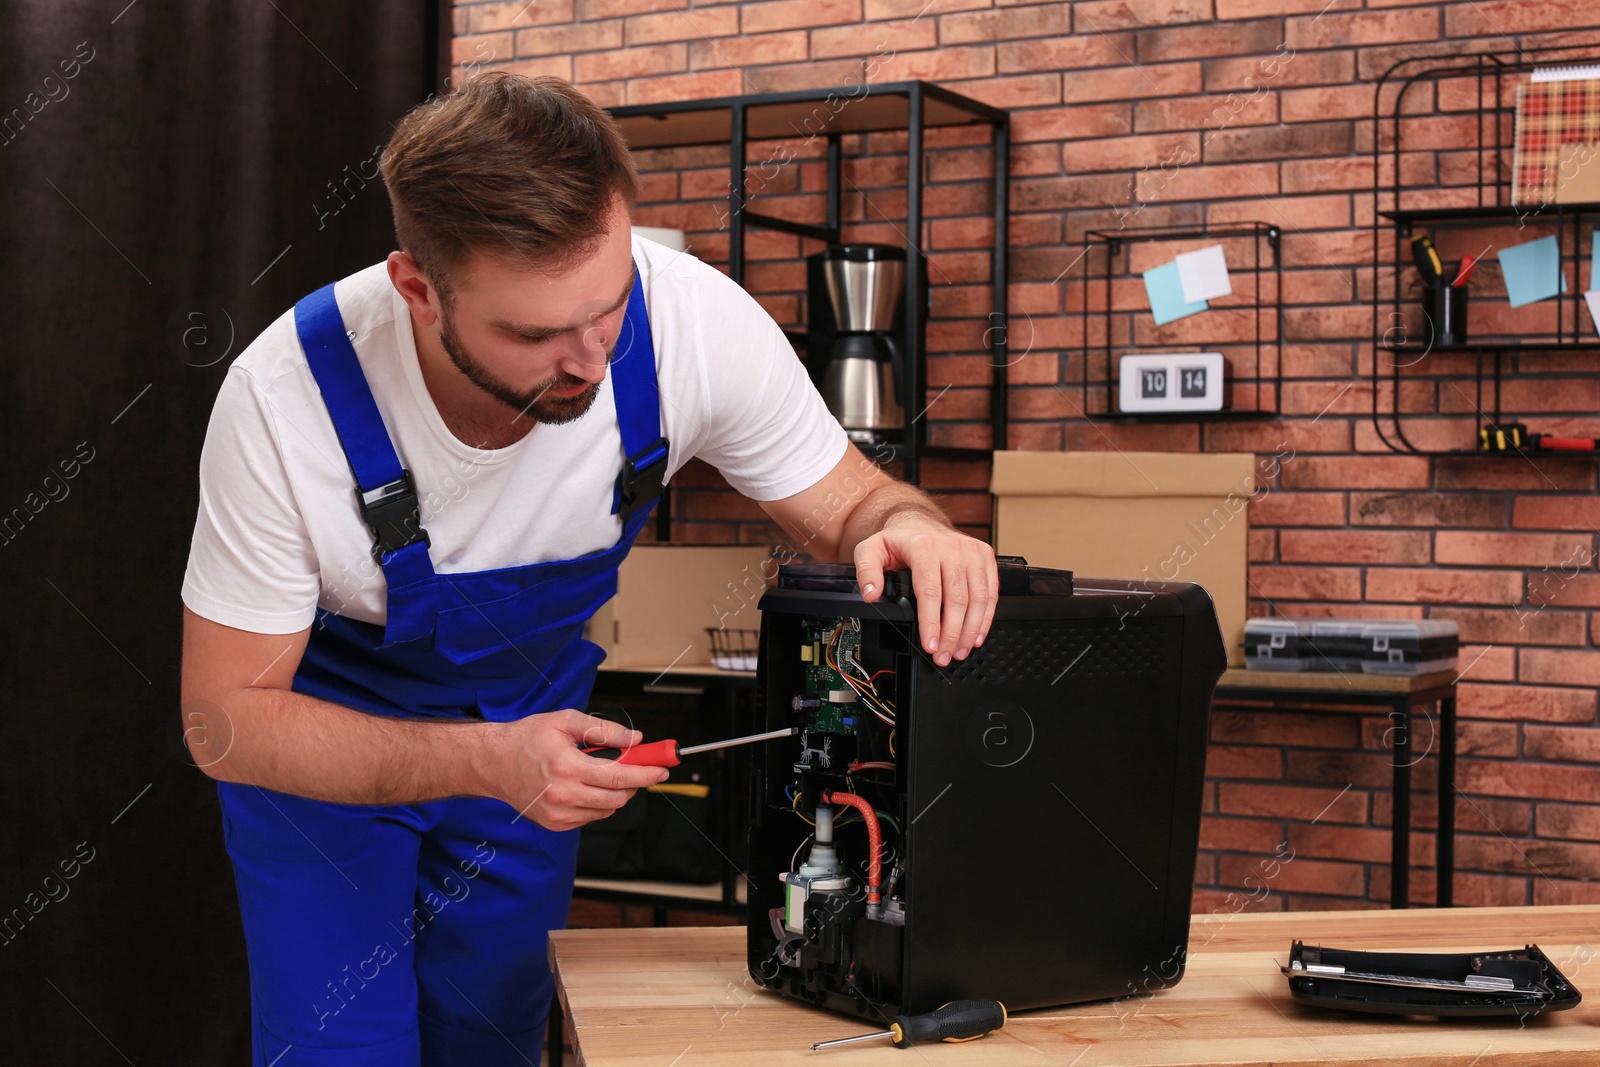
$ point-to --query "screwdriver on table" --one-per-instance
(959, 1020)
(668, 754)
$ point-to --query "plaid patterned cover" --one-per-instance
(1549, 115)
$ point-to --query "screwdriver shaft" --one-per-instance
(732, 741)
(852, 1040)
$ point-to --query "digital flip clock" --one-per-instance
(1173, 381)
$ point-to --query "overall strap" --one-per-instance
(638, 400)
(384, 490)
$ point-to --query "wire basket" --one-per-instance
(733, 650)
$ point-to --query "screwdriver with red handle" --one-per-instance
(669, 754)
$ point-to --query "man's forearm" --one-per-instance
(883, 506)
(294, 743)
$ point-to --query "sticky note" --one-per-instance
(1165, 289)
(1204, 274)
(1532, 271)
(1594, 258)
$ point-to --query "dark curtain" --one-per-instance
(174, 174)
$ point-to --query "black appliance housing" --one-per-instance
(1040, 807)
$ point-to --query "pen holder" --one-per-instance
(1445, 309)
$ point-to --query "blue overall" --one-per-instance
(388, 935)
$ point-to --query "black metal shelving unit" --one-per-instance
(832, 114)
(1265, 241)
(1486, 203)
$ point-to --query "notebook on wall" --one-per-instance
(1556, 158)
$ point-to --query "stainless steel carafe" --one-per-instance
(860, 381)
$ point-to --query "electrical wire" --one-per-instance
(861, 683)
(874, 841)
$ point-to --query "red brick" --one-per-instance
(1298, 729)
(1545, 859)
(1544, 781)
(1557, 513)
(1209, 183)
(1299, 509)
(488, 48)
(1354, 546)
(632, 63)
(946, 64)
(1293, 875)
(1356, 472)
(795, 14)
(1064, 53)
(1581, 821)
(1306, 583)
(1005, 24)
(1258, 74)
(1490, 891)
(884, 10)
(579, 37)
(591, 10)
(1444, 586)
(1561, 743)
(1498, 18)
(1243, 761)
(1427, 509)
(858, 40)
(1213, 112)
(482, 18)
(1071, 123)
(1240, 835)
(749, 51)
(1204, 42)
(1487, 739)
(1101, 16)
(1541, 474)
(1029, 91)
(1249, 9)
(1366, 27)
(1515, 626)
(1358, 843)
(1300, 435)
(1130, 83)
(1279, 142)
(686, 24)
(1558, 666)
(1561, 891)
(1527, 703)
(1512, 549)
(704, 84)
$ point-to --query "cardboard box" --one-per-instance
(1159, 516)
(668, 594)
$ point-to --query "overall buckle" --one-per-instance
(643, 479)
(394, 514)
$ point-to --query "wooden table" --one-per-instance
(1402, 695)
(680, 996)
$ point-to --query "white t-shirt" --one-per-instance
(279, 533)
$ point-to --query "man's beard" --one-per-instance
(537, 403)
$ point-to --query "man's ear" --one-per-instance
(414, 288)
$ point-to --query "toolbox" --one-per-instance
(1020, 826)
(1370, 646)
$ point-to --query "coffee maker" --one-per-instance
(856, 345)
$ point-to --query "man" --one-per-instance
(410, 505)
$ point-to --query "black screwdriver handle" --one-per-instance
(959, 1020)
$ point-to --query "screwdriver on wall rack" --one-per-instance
(959, 1020)
(669, 754)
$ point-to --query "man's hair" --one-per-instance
(521, 169)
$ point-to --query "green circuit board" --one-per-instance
(823, 682)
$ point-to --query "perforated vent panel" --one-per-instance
(1048, 651)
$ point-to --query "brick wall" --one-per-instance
(1102, 93)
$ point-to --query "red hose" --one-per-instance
(874, 840)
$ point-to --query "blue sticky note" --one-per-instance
(1594, 258)
(1164, 285)
(1532, 271)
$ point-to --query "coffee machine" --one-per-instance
(856, 345)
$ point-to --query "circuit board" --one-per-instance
(832, 715)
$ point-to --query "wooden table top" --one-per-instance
(680, 996)
(1355, 681)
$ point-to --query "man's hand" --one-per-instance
(534, 765)
(954, 576)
